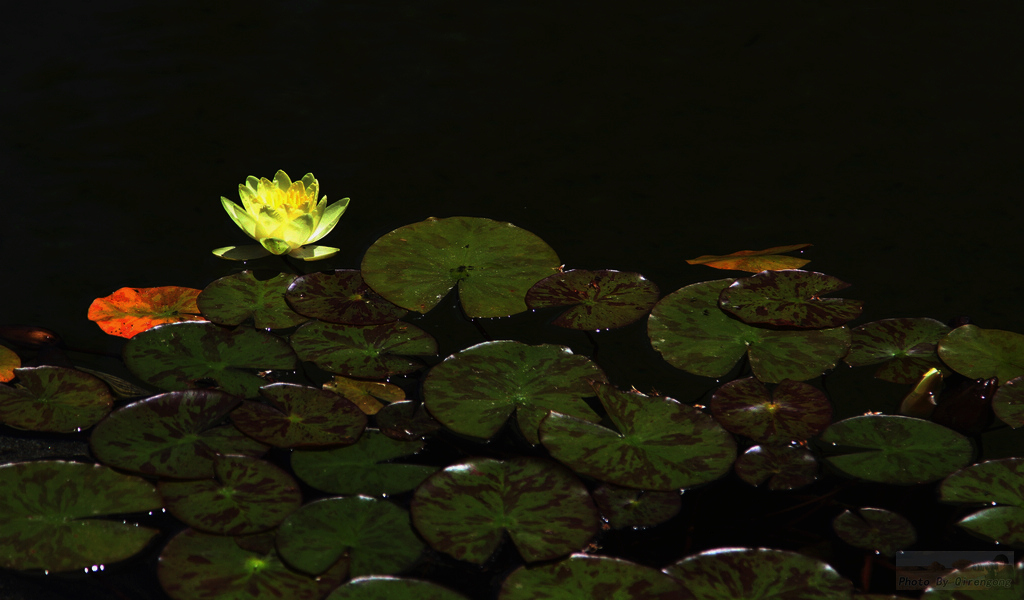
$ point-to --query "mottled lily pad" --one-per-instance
(54, 399)
(784, 467)
(789, 298)
(982, 581)
(362, 468)
(758, 574)
(296, 415)
(584, 576)
(247, 495)
(233, 299)
(793, 410)
(998, 483)
(49, 510)
(1008, 402)
(875, 529)
(392, 588)
(660, 444)
(900, 450)
(473, 392)
(598, 299)
(627, 507)
(978, 353)
(493, 264)
(367, 395)
(376, 535)
(691, 333)
(179, 356)
(406, 421)
(363, 351)
(465, 510)
(341, 297)
(177, 434)
(906, 347)
(201, 566)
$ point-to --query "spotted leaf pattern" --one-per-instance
(994, 482)
(54, 399)
(789, 298)
(597, 299)
(875, 529)
(585, 576)
(905, 347)
(792, 411)
(341, 297)
(296, 416)
(233, 299)
(371, 351)
(784, 467)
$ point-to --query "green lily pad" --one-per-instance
(406, 421)
(233, 299)
(789, 298)
(362, 468)
(248, 495)
(978, 353)
(982, 581)
(54, 399)
(363, 351)
(785, 467)
(691, 333)
(493, 264)
(376, 535)
(474, 391)
(900, 450)
(296, 415)
(465, 510)
(341, 297)
(177, 434)
(201, 566)
(585, 576)
(998, 483)
(598, 299)
(793, 411)
(49, 510)
(627, 507)
(875, 529)
(392, 588)
(759, 574)
(660, 444)
(177, 356)
(1008, 402)
(905, 347)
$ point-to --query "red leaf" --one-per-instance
(754, 261)
(129, 311)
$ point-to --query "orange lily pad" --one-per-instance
(9, 361)
(130, 311)
(754, 261)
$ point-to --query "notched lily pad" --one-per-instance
(374, 533)
(598, 299)
(379, 587)
(233, 299)
(367, 395)
(1008, 402)
(493, 264)
(994, 482)
(785, 467)
(789, 298)
(585, 576)
(49, 510)
(179, 356)
(627, 507)
(899, 450)
(363, 467)
(906, 347)
(247, 495)
(341, 297)
(660, 444)
(296, 415)
(178, 434)
(369, 351)
(474, 391)
(761, 573)
(465, 510)
(875, 529)
(792, 411)
(54, 399)
(692, 333)
(978, 353)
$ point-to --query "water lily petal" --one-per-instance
(241, 252)
(312, 185)
(241, 218)
(298, 230)
(331, 216)
(313, 252)
(282, 181)
(276, 245)
(268, 223)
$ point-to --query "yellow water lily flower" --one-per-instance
(284, 217)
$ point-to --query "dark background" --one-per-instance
(887, 134)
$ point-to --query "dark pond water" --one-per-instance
(888, 136)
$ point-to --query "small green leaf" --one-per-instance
(875, 529)
(233, 299)
(784, 467)
(54, 399)
(597, 299)
(906, 347)
(341, 297)
(993, 482)
(793, 411)
(978, 353)
(297, 415)
(370, 351)
(627, 507)
(1008, 402)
